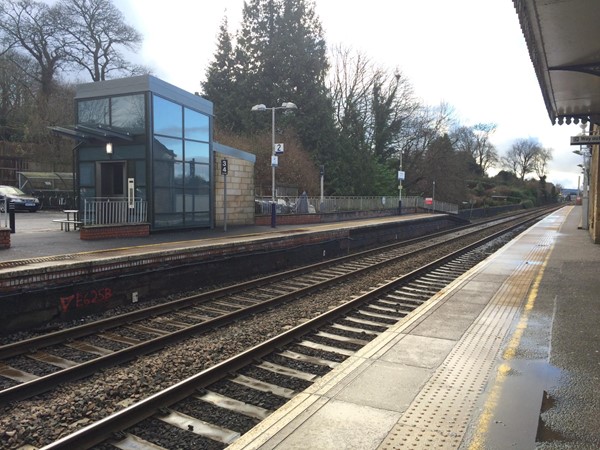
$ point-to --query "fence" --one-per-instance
(312, 205)
(55, 199)
(111, 211)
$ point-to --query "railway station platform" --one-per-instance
(508, 356)
(51, 276)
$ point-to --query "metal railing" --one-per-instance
(113, 211)
(312, 205)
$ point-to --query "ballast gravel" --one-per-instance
(45, 418)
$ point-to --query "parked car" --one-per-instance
(10, 195)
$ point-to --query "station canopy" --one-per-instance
(563, 37)
(45, 181)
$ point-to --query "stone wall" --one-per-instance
(240, 191)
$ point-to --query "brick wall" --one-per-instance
(240, 191)
(4, 238)
(114, 231)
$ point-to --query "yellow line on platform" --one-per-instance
(478, 440)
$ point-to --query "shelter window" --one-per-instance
(168, 118)
(196, 125)
(196, 151)
(168, 148)
(95, 112)
(128, 113)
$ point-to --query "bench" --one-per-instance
(65, 224)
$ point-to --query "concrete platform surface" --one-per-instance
(37, 236)
(507, 357)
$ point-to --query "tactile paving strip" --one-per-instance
(25, 262)
(439, 416)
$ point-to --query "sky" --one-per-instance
(470, 54)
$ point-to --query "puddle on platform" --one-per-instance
(516, 420)
(544, 432)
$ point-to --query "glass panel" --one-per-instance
(197, 219)
(167, 117)
(168, 200)
(140, 173)
(196, 175)
(128, 112)
(164, 173)
(167, 148)
(168, 220)
(93, 112)
(140, 192)
(87, 192)
(196, 125)
(196, 151)
(196, 202)
(131, 151)
(86, 174)
(94, 154)
(178, 170)
(162, 200)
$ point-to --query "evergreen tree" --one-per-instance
(280, 56)
(220, 83)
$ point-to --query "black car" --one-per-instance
(18, 198)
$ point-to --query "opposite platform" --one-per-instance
(475, 367)
(72, 279)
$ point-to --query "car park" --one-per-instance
(12, 197)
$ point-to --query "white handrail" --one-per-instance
(113, 211)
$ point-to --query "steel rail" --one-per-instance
(50, 381)
(110, 426)
(58, 337)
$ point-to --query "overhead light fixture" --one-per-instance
(109, 148)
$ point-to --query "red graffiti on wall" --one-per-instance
(80, 300)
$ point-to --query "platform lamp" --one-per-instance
(261, 107)
(109, 148)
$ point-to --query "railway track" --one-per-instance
(214, 407)
(36, 365)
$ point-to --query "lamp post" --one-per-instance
(400, 178)
(261, 107)
(433, 198)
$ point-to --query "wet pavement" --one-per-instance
(37, 236)
(551, 357)
(507, 357)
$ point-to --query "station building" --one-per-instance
(147, 146)
(563, 39)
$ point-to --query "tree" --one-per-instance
(541, 161)
(71, 35)
(373, 111)
(476, 141)
(33, 28)
(279, 56)
(95, 33)
(425, 126)
(220, 84)
(392, 105)
(521, 157)
(17, 98)
(445, 167)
